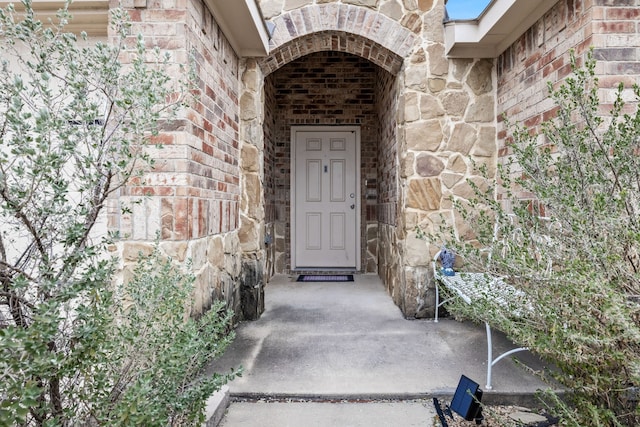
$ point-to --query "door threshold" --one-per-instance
(323, 270)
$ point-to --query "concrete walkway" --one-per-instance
(341, 354)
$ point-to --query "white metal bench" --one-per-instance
(472, 287)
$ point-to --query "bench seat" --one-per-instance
(473, 287)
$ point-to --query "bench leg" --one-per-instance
(489, 355)
(490, 360)
(437, 303)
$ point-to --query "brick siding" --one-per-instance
(541, 55)
(323, 88)
(194, 188)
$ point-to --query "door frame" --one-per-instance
(358, 198)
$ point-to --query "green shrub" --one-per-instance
(157, 355)
(566, 205)
(74, 122)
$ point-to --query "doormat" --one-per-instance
(325, 278)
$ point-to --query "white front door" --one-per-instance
(325, 210)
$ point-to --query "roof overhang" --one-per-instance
(240, 20)
(90, 16)
(499, 25)
(242, 23)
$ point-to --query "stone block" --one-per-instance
(457, 163)
(201, 292)
(366, 3)
(430, 107)
(450, 179)
(294, 4)
(489, 163)
(428, 165)
(252, 202)
(460, 67)
(392, 9)
(425, 5)
(251, 159)
(251, 78)
(175, 250)
(231, 243)
(252, 289)
(132, 250)
(410, 4)
(438, 62)
(248, 106)
(417, 280)
(424, 193)
(248, 235)
(482, 110)
(411, 112)
(436, 85)
(416, 251)
(407, 165)
(462, 139)
(271, 8)
(486, 145)
(215, 251)
(424, 136)
(455, 102)
(416, 76)
(479, 78)
(198, 252)
(465, 191)
(432, 28)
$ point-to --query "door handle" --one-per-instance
(353, 206)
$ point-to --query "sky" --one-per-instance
(465, 9)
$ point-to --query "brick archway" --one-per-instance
(343, 28)
(338, 29)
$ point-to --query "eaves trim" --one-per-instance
(242, 23)
(499, 25)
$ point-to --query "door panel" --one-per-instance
(314, 181)
(325, 210)
(338, 231)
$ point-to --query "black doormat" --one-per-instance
(325, 278)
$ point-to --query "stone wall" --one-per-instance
(435, 116)
(274, 229)
(387, 178)
(191, 200)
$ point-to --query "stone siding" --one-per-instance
(433, 116)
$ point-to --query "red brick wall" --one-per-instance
(541, 55)
(194, 188)
(324, 88)
(388, 152)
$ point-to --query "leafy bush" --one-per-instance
(73, 127)
(157, 355)
(566, 208)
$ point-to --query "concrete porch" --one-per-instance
(347, 342)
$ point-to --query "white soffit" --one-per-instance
(242, 24)
(90, 16)
(499, 25)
